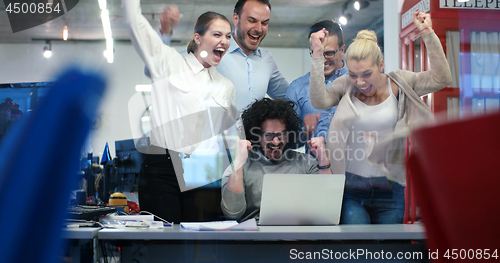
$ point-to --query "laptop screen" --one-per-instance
(301, 199)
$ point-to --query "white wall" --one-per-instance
(292, 62)
(392, 28)
(25, 63)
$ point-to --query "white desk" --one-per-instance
(80, 232)
(343, 232)
(82, 242)
(269, 244)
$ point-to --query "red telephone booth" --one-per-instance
(470, 35)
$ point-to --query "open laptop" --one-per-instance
(301, 199)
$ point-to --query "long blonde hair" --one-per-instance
(365, 47)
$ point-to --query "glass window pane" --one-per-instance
(416, 56)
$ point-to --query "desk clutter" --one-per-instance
(132, 221)
(88, 212)
(230, 225)
(109, 217)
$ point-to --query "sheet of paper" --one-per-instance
(250, 224)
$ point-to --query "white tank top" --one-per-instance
(373, 121)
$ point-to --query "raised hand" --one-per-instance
(423, 22)
(318, 42)
(317, 146)
(169, 18)
(242, 148)
(235, 180)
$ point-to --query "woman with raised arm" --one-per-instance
(366, 138)
(192, 104)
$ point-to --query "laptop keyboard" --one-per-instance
(88, 212)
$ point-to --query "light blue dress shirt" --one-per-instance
(253, 76)
(298, 92)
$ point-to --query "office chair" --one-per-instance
(38, 168)
(456, 179)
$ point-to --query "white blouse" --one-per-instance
(373, 123)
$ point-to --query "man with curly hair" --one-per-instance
(271, 128)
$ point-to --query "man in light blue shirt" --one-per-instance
(253, 75)
(316, 122)
(252, 70)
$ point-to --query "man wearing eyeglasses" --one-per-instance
(271, 128)
(316, 122)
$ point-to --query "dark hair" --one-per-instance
(267, 109)
(239, 5)
(202, 24)
(333, 28)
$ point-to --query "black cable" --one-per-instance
(134, 209)
(165, 221)
(103, 251)
(106, 253)
(251, 215)
(137, 250)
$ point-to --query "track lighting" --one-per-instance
(344, 19)
(109, 52)
(106, 25)
(358, 5)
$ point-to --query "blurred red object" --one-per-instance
(410, 215)
(456, 178)
(134, 207)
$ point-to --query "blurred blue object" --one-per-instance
(39, 160)
(106, 156)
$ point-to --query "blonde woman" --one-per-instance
(366, 137)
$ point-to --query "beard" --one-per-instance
(241, 38)
(278, 147)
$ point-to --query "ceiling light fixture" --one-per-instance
(358, 5)
(47, 49)
(109, 52)
(106, 25)
(65, 33)
(344, 19)
(462, 1)
(103, 4)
